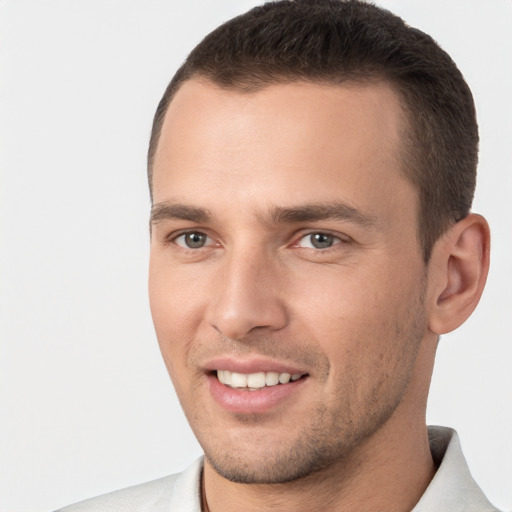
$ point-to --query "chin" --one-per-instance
(277, 462)
(268, 472)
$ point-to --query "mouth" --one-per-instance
(256, 385)
(255, 381)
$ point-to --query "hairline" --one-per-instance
(405, 156)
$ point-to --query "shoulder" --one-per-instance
(139, 497)
(165, 494)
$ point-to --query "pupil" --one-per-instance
(195, 240)
(321, 240)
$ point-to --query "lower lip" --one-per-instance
(244, 401)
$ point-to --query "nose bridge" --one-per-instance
(248, 295)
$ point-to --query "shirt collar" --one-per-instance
(452, 489)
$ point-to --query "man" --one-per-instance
(312, 167)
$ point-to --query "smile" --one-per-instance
(255, 381)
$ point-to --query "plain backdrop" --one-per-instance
(85, 402)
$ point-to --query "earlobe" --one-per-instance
(461, 262)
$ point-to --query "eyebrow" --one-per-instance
(168, 211)
(321, 211)
(277, 214)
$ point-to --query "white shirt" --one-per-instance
(451, 490)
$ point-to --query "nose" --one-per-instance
(248, 296)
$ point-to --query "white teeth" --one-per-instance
(284, 378)
(238, 380)
(224, 376)
(271, 378)
(255, 381)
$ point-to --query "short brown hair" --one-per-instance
(337, 41)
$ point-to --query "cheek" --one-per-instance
(362, 319)
(175, 293)
(341, 304)
(176, 313)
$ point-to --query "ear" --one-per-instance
(459, 267)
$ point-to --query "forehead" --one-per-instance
(303, 138)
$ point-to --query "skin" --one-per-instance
(360, 316)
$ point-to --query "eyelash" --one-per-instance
(336, 239)
(174, 237)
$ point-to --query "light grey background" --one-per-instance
(85, 402)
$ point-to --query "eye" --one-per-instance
(318, 241)
(193, 240)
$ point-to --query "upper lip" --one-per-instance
(252, 365)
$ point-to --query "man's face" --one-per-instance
(284, 244)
